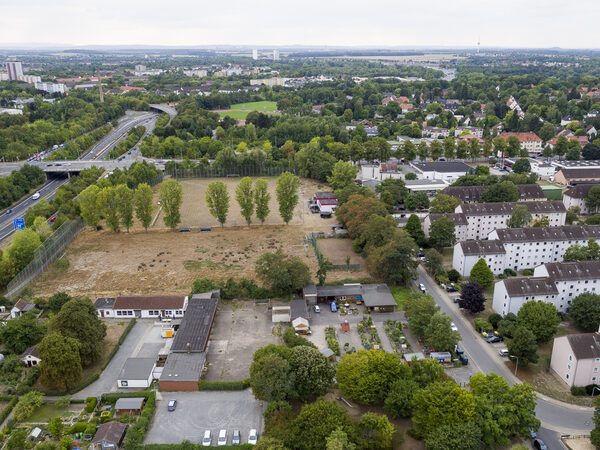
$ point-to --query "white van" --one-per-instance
(207, 439)
(222, 438)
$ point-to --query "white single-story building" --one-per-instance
(20, 308)
(280, 314)
(136, 373)
(448, 171)
(30, 357)
(142, 307)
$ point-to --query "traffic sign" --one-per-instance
(19, 224)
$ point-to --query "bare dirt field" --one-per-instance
(105, 263)
(194, 211)
(336, 251)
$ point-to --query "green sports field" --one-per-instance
(256, 106)
(238, 115)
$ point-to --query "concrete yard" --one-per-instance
(239, 330)
(205, 410)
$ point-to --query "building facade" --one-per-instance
(576, 197)
(448, 171)
(483, 218)
(15, 70)
(576, 359)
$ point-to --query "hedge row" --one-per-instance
(204, 385)
(11, 404)
(126, 331)
(113, 397)
(90, 404)
(136, 433)
(85, 383)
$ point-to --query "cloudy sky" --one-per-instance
(382, 23)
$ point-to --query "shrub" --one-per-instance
(494, 319)
(510, 272)
(578, 390)
(278, 405)
(527, 272)
(453, 275)
(482, 324)
(90, 404)
(293, 340)
(11, 404)
(79, 427)
(204, 385)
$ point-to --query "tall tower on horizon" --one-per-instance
(100, 85)
(478, 43)
(255, 54)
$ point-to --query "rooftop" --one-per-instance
(583, 173)
(457, 218)
(591, 163)
(488, 247)
(373, 295)
(581, 270)
(412, 183)
(442, 166)
(579, 191)
(298, 308)
(104, 303)
(129, 403)
(506, 208)
(526, 286)
(137, 368)
(110, 432)
(150, 302)
(560, 233)
(183, 367)
(473, 193)
(196, 323)
(585, 346)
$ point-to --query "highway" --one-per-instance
(555, 416)
(49, 189)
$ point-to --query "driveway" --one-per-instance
(204, 410)
(108, 378)
(555, 415)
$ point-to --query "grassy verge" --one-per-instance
(400, 294)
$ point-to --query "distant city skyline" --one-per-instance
(386, 23)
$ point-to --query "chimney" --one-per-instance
(189, 348)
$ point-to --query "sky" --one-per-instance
(378, 23)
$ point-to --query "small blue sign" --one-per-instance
(19, 224)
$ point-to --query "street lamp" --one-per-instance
(517, 364)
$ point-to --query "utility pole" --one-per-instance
(100, 85)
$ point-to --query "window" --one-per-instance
(595, 370)
(119, 313)
(570, 357)
(567, 376)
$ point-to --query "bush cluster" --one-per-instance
(137, 432)
(242, 289)
(204, 385)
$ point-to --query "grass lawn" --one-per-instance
(400, 294)
(46, 412)
(256, 106)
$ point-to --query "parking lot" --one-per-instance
(239, 330)
(197, 412)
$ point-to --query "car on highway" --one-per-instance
(493, 339)
(8, 211)
(252, 437)
(453, 326)
(422, 288)
(172, 405)
(35, 196)
(538, 444)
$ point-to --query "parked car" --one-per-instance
(252, 437)
(453, 326)
(451, 287)
(538, 444)
(422, 288)
(235, 438)
(172, 405)
(207, 439)
(222, 439)
(463, 359)
(333, 307)
(494, 339)
(457, 300)
(503, 352)
(317, 309)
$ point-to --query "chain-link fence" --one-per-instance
(241, 171)
(46, 254)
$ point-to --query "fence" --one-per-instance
(312, 238)
(242, 171)
(46, 254)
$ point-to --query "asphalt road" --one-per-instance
(49, 189)
(554, 415)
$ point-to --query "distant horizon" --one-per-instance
(514, 24)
